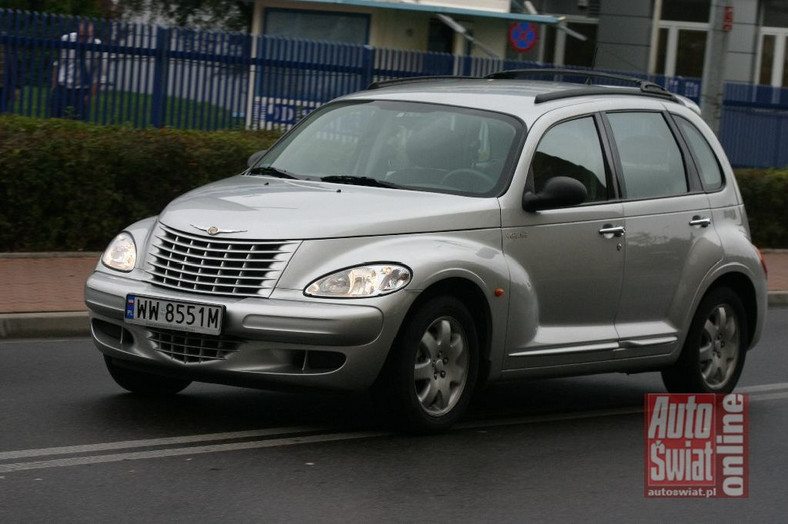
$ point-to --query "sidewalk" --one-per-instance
(41, 294)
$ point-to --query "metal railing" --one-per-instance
(149, 75)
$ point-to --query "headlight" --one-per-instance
(121, 254)
(361, 282)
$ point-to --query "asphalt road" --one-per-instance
(75, 448)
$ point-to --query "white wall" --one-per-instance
(501, 6)
(400, 29)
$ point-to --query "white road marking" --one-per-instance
(287, 436)
(769, 396)
(763, 387)
(192, 450)
(148, 443)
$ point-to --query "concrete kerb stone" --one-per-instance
(53, 254)
(778, 298)
(44, 325)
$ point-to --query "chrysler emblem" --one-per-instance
(213, 230)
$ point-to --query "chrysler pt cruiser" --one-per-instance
(425, 237)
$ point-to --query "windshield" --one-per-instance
(400, 145)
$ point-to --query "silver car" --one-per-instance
(425, 237)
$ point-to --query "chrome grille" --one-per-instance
(215, 266)
(192, 348)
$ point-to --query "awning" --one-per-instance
(440, 9)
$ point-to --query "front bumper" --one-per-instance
(287, 340)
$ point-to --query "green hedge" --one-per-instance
(71, 186)
(765, 194)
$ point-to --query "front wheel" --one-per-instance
(144, 383)
(429, 376)
(713, 355)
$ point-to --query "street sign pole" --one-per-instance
(720, 25)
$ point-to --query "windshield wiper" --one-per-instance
(359, 181)
(271, 171)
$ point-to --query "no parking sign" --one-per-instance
(523, 36)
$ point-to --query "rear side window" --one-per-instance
(709, 167)
(572, 149)
(650, 157)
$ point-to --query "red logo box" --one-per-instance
(696, 445)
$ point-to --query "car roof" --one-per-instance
(521, 96)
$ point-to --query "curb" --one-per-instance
(778, 298)
(76, 324)
(41, 325)
(54, 254)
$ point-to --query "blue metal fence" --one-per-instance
(183, 78)
(148, 75)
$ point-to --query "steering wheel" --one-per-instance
(466, 178)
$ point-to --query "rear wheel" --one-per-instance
(144, 383)
(713, 355)
(429, 376)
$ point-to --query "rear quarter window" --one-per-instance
(707, 163)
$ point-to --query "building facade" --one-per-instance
(666, 37)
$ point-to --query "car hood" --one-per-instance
(280, 209)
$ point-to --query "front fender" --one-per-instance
(472, 256)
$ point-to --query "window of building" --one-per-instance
(766, 59)
(548, 52)
(772, 57)
(578, 52)
(328, 26)
(682, 37)
(686, 10)
(681, 48)
(440, 38)
(559, 48)
(772, 61)
(651, 161)
(775, 13)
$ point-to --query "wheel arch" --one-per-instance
(744, 288)
(472, 296)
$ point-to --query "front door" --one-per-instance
(567, 264)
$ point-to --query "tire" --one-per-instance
(712, 358)
(428, 378)
(144, 383)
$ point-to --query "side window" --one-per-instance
(709, 167)
(572, 149)
(650, 157)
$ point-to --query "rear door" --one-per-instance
(670, 239)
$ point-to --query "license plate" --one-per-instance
(170, 314)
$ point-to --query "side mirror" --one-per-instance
(255, 157)
(559, 191)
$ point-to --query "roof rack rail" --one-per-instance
(646, 87)
(602, 90)
(411, 79)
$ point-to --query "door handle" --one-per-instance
(700, 221)
(610, 231)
